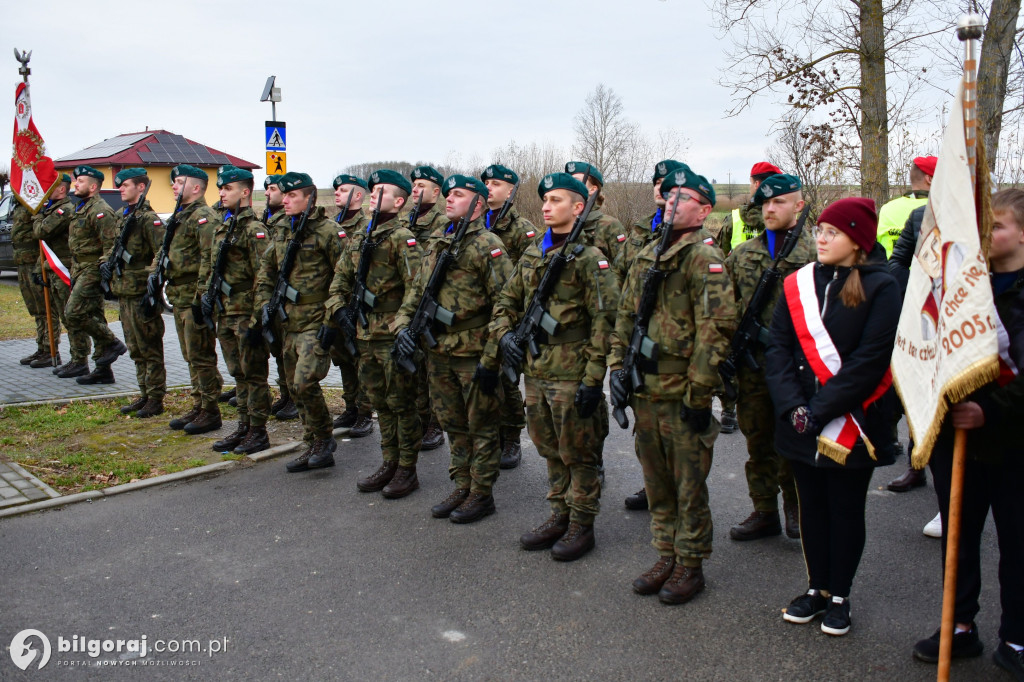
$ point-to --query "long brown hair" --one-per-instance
(852, 294)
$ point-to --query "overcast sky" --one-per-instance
(398, 79)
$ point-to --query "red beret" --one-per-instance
(926, 164)
(856, 217)
(763, 167)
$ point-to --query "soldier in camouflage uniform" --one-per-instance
(778, 196)
(306, 362)
(142, 233)
(692, 321)
(565, 383)
(273, 218)
(517, 234)
(351, 225)
(228, 396)
(52, 225)
(466, 394)
(745, 222)
(426, 219)
(230, 307)
(91, 233)
(30, 281)
(190, 246)
(395, 260)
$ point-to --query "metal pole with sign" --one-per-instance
(275, 137)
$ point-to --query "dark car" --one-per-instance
(6, 250)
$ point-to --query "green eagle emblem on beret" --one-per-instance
(571, 166)
(549, 182)
(662, 168)
(451, 183)
(767, 190)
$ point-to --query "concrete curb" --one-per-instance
(210, 469)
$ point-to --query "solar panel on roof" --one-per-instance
(110, 147)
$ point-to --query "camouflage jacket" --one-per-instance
(273, 222)
(189, 252)
(640, 235)
(583, 302)
(514, 231)
(310, 276)
(143, 244)
(469, 291)
(746, 263)
(353, 230)
(26, 248)
(604, 232)
(53, 223)
(241, 261)
(91, 234)
(395, 262)
(692, 323)
(429, 224)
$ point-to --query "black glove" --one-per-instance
(487, 378)
(587, 400)
(254, 335)
(510, 350)
(699, 420)
(106, 271)
(207, 306)
(803, 420)
(407, 346)
(37, 278)
(619, 390)
(326, 336)
(343, 318)
(197, 312)
(153, 285)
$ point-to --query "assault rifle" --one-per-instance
(362, 298)
(429, 309)
(119, 255)
(156, 282)
(750, 330)
(506, 207)
(537, 318)
(282, 290)
(414, 214)
(217, 284)
(326, 336)
(640, 344)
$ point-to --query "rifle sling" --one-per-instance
(664, 367)
(468, 323)
(307, 299)
(184, 279)
(579, 332)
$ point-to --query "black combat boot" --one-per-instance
(577, 541)
(152, 408)
(256, 440)
(101, 375)
(134, 406)
(476, 507)
(376, 481)
(443, 509)
(207, 420)
(402, 483)
(230, 441)
(111, 353)
(322, 455)
(546, 534)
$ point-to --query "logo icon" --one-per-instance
(549, 182)
(767, 191)
(451, 183)
(662, 168)
(375, 178)
(23, 654)
(571, 167)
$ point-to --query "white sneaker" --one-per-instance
(933, 528)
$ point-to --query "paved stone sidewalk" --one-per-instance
(18, 486)
(22, 384)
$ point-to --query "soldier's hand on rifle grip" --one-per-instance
(699, 420)
(587, 400)
(207, 305)
(487, 378)
(326, 336)
(510, 350)
(153, 285)
(619, 388)
(197, 312)
(406, 345)
(106, 272)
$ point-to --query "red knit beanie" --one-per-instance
(856, 217)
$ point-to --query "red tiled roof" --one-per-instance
(151, 148)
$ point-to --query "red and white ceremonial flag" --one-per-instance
(33, 176)
(55, 263)
(947, 344)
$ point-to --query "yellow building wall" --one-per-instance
(160, 196)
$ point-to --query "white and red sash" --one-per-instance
(840, 435)
(55, 264)
(1007, 367)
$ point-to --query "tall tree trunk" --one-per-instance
(874, 115)
(996, 51)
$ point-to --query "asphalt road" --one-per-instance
(308, 579)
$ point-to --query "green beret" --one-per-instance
(574, 167)
(271, 180)
(183, 169)
(427, 173)
(349, 180)
(390, 177)
(465, 182)
(233, 175)
(776, 185)
(128, 173)
(665, 167)
(291, 181)
(685, 177)
(562, 181)
(89, 172)
(64, 177)
(499, 172)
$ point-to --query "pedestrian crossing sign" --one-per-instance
(275, 136)
(277, 163)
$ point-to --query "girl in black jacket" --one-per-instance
(827, 367)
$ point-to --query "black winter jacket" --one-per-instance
(903, 250)
(864, 337)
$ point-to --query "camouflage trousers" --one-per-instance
(569, 445)
(79, 341)
(305, 366)
(199, 349)
(675, 462)
(352, 389)
(392, 393)
(144, 335)
(32, 294)
(84, 310)
(513, 417)
(248, 366)
(423, 407)
(275, 350)
(767, 471)
(470, 418)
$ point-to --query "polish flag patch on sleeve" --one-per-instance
(531, 234)
(60, 211)
(410, 242)
(100, 215)
(495, 253)
(709, 241)
(342, 234)
(602, 264)
(621, 238)
(157, 223)
(202, 221)
(261, 235)
(715, 268)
